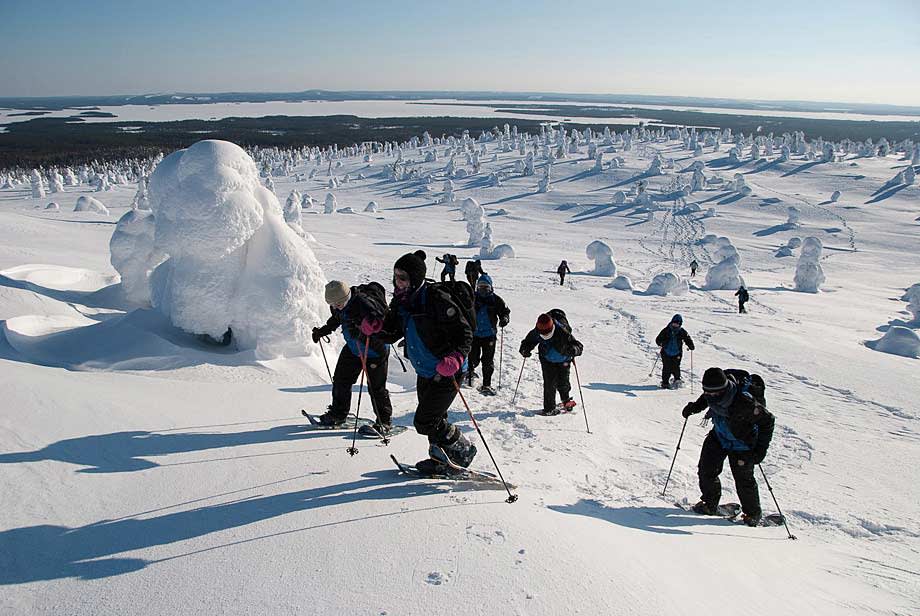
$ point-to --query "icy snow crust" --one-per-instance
(144, 471)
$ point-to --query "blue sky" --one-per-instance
(840, 50)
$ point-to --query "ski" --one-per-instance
(347, 424)
(446, 472)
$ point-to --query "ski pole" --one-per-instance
(675, 456)
(655, 363)
(399, 359)
(584, 409)
(780, 511)
(501, 355)
(511, 497)
(691, 372)
(518, 382)
(325, 361)
(354, 450)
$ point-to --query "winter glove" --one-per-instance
(525, 353)
(688, 410)
(758, 456)
(370, 326)
(503, 321)
(317, 334)
(450, 364)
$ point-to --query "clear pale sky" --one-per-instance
(840, 50)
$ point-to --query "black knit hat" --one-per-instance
(714, 379)
(413, 263)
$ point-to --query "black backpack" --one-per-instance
(751, 385)
(374, 298)
(559, 315)
(462, 295)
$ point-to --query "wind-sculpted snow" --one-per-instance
(602, 255)
(809, 275)
(133, 254)
(233, 262)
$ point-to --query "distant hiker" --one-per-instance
(670, 343)
(557, 348)
(741, 430)
(359, 311)
(562, 270)
(743, 297)
(473, 271)
(450, 266)
(438, 338)
(693, 267)
(491, 311)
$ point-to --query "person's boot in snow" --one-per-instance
(487, 390)
(705, 508)
(750, 520)
(461, 452)
(331, 419)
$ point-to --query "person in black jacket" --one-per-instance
(557, 349)
(450, 266)
(693, 267)
(359, 311)
(491, 313)
(742, 428)
(438, 339)
(473, 271)
(562, 270)
(670, 343)
(743, 297)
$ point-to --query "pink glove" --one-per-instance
(450, 364)
(370, 326)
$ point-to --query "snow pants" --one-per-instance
(483, 350)
(712, 457)
(669, 366)
(435, 396)
(347, 372)
(555, 378)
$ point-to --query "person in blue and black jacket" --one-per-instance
(438, 339)
(671, 342)
(742, 429)
(491, 314)
(357, 310)
(557, 348)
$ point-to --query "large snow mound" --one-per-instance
(667, 283)
(233, 261)
(86, 203)
(602, 255)
(898, 340)
(809, 275)
(133, 254)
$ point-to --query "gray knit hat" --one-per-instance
(336, 292)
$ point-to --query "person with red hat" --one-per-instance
(438, 339)
(557, 347)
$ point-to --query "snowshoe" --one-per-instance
(376, 429)
(750, 520)
(550, 412)
(568, 406)
(459, 453)
(704, 508)
(486, 390)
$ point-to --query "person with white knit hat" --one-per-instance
(359, 311)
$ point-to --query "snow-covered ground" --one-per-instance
(143, 472)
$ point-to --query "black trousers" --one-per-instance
(561, 278)
(741, 306)
(347, 372)
(555, 378)
(670, 366)
(712, 457)
(435, 396)
(472, 278)
(483, 350)
(445, 274)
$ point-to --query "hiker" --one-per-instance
(357, 310)
(562, 270)
(743, 297)
(557, 350)
(742, 428)
(473, 271)
(670, 343)
(450, 266)
(491, 314)
(438, 337)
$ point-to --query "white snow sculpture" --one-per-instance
(667, 283)
(725, 273)
(600, 253)
(53, 207)
(835, 196)
(809, 276)
(330, 204)
(545, 184)
(619, 198)
(89, 204)
(293, 214)
(306, 203)
(621, 283)
(793, 217)
(232, 260)
(372, 207)
(57, 182)
(133, 254)
(473, 214)
(38, 185)
(910, 176)
(898, 340)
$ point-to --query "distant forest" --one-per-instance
(68, 141)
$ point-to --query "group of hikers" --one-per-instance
(450, 328)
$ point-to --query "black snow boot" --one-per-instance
(461, 452)
(705, 508)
